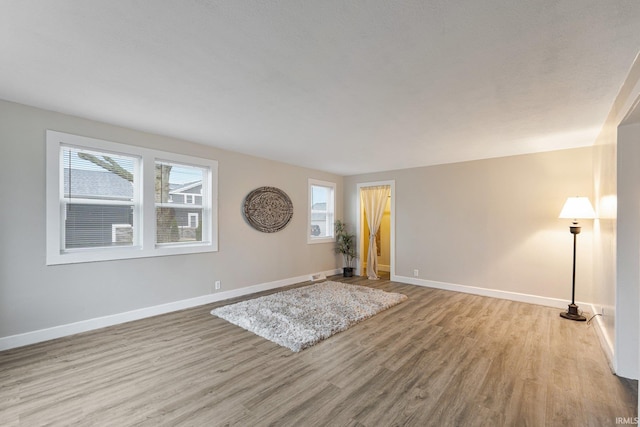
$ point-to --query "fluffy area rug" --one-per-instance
(301, 317)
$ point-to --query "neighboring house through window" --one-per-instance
(114, 201)
(321, 211)
(178, 202)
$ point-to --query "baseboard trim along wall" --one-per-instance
(495, 293)
(41, 335)
(33, 337)
(605, 343)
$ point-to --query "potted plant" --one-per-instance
(345, 245)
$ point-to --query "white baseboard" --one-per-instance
(605, 342)
(33, 337)
(494, 293)
(60, 331)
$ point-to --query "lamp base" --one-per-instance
(572, 314)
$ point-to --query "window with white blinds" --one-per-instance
(100, 198)
(114, 201)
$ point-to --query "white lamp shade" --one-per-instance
(577, 208)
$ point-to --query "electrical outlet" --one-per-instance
(416, 273)
(217, 285)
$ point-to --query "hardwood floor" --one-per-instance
(439, 359)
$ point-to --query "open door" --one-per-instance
(385, 237)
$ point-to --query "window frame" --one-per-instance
(144, 225)
(330, 204)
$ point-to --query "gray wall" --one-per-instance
(34, 296)
(492, 223)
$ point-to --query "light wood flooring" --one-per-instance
(439, 359)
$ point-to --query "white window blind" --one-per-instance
(99, 197)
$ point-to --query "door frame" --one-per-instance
(392, 224)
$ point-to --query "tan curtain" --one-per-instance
(374, 200)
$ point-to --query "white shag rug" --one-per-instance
(301, 317)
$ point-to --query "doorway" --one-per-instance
(385, 237)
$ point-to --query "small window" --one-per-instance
(110, 201)
(194, 220)
(321, 211)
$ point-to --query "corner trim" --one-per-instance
(605, 342)
(40, 335)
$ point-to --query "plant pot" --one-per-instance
(347, 272)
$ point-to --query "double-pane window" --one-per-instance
(113, 201)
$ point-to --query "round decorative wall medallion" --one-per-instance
(268, 209)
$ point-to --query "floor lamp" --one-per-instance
(575, 208)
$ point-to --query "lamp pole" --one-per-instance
(572, 313)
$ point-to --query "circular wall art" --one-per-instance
(268, 209)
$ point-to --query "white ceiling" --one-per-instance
(343, 86)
